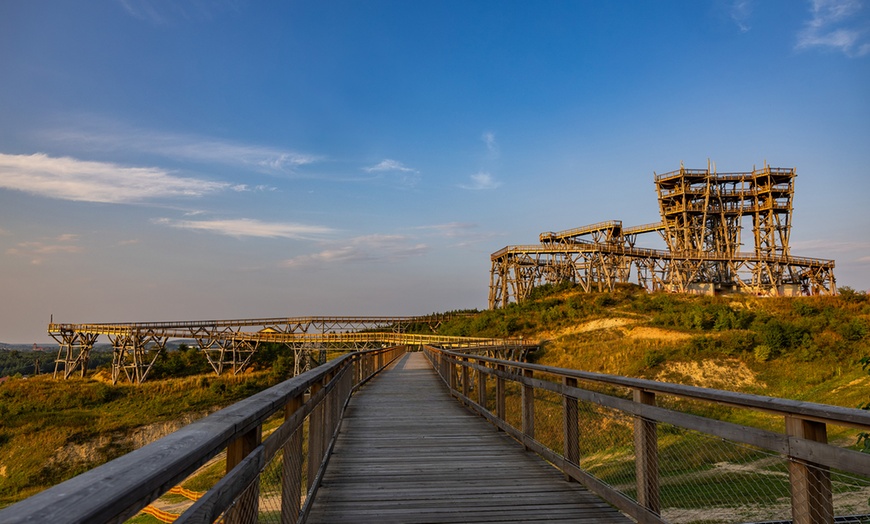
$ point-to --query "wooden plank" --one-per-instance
(408, 452)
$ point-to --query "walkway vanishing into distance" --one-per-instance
(408, 452)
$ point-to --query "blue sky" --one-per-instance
(190, 159)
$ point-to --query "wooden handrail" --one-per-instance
(118, 489)
(803, 445)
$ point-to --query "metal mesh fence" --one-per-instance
(607, 448)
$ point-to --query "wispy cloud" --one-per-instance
(451, 229)
(407, 176)
(461, 233)
(248, 227)
(38, 250)
(389, 165)
(73, 179)
(100, 135)
(481, 181)
(491, 145)
(740, 11)
(162, 12)
(362, 249)
(834, 25)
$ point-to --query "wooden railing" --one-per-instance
(556, 412)
(311, 402)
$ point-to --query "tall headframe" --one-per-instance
(703, 211)
(703, 215)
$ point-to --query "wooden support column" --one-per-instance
(315, 437)
(499, 393)
(466, 387)
(646, 456)
(811, 501)
(570, 425)
(528, 400)
(481, 385)
(246, 508)
(291, 469)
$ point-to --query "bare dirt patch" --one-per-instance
(656, 334)
(592, 325)
(729, 374)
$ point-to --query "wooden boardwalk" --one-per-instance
(408, 452)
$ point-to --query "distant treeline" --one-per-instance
(22, 362)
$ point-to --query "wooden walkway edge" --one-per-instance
(409, 453)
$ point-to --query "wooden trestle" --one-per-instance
(229, 345)
(407, 452)
(702, 218)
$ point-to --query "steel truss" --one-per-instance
(702, 220)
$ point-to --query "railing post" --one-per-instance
(811, 500)
(466, 386)
(528, 400)
(451, 367)
(315, 436)
(499, 393)
(247, 506)
(481, 385)
(570, 425)
(646, 455)
(291, 468)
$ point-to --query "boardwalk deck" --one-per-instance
(409, 453)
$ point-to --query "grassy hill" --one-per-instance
(805, 348)
(802, 348)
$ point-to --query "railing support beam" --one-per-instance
(528, 401)
(246, 509)
(291, 469)
(811, 499)
(646, 455)
(570, 426)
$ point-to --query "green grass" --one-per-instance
(54, 429)
(811, 347)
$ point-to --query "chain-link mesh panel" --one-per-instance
(607, 446)
(513, 404)
(702, 477)
(548, 419)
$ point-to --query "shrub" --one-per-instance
(763, 353)
(653, 358)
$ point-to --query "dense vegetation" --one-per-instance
(808, 348)
(24, 362)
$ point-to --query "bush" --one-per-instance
(653, 358)
(854, 330)
(763, 353)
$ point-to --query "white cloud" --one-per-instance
(407, 176)
(834, 26)
(72, 179)
(480, 181)
(740, 12)
(248, 227)
(38, 250)
(389, 165)
(451, 229)
(108, 136)
(491, 144)
(362, 249)
(161, 12)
